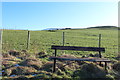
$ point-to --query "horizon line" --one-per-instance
(51, 28)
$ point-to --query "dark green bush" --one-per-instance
(90, 71)
(116, 69)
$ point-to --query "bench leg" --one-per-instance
(100, 63)
(105, 66)
(54, 65)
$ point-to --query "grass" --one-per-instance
(32, 65)
(42, 40)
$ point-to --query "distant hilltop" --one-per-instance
(103, 27)
(98, 27)
(57, 28)
(53, 29)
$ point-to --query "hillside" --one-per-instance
(97, 27)
(103, 27)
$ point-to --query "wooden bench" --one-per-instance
(77, 48)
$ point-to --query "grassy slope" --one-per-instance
(42, 40)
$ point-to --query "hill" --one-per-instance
(97, 27)
(104, 27)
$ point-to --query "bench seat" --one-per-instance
(81, 59)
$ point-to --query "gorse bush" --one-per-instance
(90, 71)
(116, 69)
(41, 54)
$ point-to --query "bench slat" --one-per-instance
(77, 48)
(81, 59)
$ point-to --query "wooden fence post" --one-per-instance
(63, 38)
(28, 40)
(100, 45)
(1, 33)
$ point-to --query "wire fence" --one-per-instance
(23, 39)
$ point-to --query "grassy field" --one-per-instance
(42, 40)
(34, 63)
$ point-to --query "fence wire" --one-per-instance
(44, 39)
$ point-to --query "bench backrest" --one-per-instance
(77, 48)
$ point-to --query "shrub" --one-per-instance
(14, 53)
(52, 30)
(41, 54)
(116, 69)
(90, 71)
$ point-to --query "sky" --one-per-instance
(42, 15)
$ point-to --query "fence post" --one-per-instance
(63, 38)
(100, 45)
(1, 33)
(28, 39)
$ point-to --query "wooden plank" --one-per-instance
(81, 59)
(77, 48)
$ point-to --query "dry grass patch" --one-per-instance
(32, 62)
(20, 70)
(9, 60)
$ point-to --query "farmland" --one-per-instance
(20, 62)
(42, 40)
